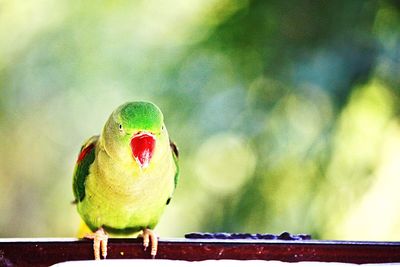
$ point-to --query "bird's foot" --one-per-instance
(149, 236)
(100, 239)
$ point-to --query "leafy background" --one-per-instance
(286, 112)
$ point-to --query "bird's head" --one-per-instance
(133, 128)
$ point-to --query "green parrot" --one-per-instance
(124, 178)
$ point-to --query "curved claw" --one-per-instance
(100, 240)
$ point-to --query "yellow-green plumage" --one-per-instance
(119, 194)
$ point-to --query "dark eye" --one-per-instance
(120, 127)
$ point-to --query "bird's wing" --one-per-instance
(85, 159)
(175, 155)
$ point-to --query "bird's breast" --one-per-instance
(122, 195)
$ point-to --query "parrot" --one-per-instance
(124, 177)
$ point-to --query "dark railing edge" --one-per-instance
(47, 251)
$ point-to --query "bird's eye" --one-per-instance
(120, 127)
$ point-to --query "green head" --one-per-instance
(132, 131)
(140, 116)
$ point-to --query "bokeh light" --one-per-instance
(286, 116)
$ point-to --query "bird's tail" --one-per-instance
(83, 229)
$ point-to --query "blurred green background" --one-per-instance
(286, 112)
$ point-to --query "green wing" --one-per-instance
(85, 159)
(175, 155)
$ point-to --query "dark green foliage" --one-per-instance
(312, 87)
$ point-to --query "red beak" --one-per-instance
(142, 145)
